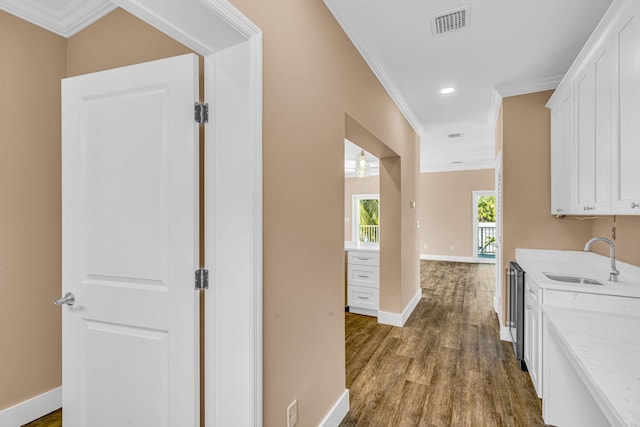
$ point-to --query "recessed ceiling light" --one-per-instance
(447, 90)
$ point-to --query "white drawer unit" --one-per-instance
(363, 282)
(363, 275)
(361, 297)
(363, 258)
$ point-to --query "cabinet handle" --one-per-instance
(528, 307)
(531, 291)
(363, 259)
(635, 205)
(559, 210)
(589, 208)
(365, 298)
(363, 276)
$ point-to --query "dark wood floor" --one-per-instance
(54, 419)
(446, 367)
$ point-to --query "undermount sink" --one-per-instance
(572, 279)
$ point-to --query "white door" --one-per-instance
(130, 246)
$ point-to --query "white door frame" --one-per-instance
(497, 298)
(229, 41)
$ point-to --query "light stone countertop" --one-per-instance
(359, 246)
(604, 349)
(535, 262)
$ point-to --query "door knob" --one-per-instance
(68, 299)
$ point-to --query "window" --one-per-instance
(366, 218)
(484, 224)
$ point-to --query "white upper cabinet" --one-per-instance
(626, 146)
(595, 137)
(592, 91)
(561, 144)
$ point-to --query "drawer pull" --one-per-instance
(635, 205)
(363, 276)
(589, 208)
(363, 259)
(361, 297)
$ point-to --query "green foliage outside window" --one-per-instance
(369, 212)
(487, 209)
(369, 220)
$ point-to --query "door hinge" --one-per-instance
(202, 279)
(201, 113)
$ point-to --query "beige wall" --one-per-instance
(446, 211)
(314, 80)
(117, 40)
(627, 237)
(526, 202)
(313, 77)
(370, 185)
(30, 353)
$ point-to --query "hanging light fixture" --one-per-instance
(362, 165)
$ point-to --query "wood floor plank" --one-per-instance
(53, 419)
(446, 366)
(412, 400)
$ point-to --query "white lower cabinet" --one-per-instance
(361, 297)
(363, 282)
(536, 337)
(532, 327)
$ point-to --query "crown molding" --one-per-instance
(355, 34)
(74, 17)
(529, 86)
(494, 109)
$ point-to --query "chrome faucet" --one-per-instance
(613, 271)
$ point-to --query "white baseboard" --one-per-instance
(338, 412)
(505, 334)
(32, 409)
(457, 259)
(395, 319)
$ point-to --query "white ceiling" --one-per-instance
(508, 48)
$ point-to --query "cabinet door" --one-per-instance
(528, 343)
(626, 147)
(558, 169)
(535, 351)
(561, 165)
(592, 182)
(532, 343)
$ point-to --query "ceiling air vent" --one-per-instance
(452, 20)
